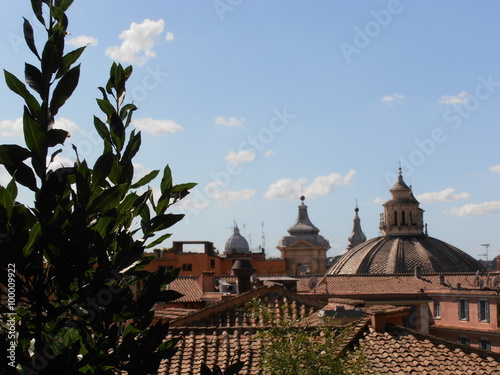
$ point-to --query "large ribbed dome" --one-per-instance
(401, 254)
(404, 244)
(236, 244)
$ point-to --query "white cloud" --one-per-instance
(455, 99)
(378, 200)
(445, 195)
(82, 40)
(169, 36)
(60, 161)
(495, 169)
(394, 98)
(269, 152)
(153, 126)
(11, 128)
(243, 156)
(226, 197)
(321, 185)
(138, 42)
(485, 208)
(14, 128)
(231, 121)
(66, 124)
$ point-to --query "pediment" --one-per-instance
(301, 244)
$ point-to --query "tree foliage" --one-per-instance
(84, 303)
(296, 347)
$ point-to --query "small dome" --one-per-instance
(401, 254)
(236, 244)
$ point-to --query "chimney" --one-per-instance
(243, 270)
(418, 272)
(206, 281)
(441, 279)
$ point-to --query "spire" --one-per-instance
(357, 236)
(303, 224)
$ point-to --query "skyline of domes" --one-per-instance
(404, 244)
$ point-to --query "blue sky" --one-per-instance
(259, 101)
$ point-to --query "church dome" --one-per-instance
(401, 254)
(404, 244)
(236, 244)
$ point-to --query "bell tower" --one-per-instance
(402, 214)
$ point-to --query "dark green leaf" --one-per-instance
(51, 57)
(35, 233)
(29, 37)
(37, 9)
(19, 88)
(12, 154)
(159, 240)
(12, 189)
(125, 109)
(56, 136)
(54, 154)
(33, 135)
(234, 369)
(165, 221)
(64, 89)
(117, 131)
(109, 198)
(65, 4)
(102, 129)
(106, 107)
(102, 169)
(68, 60)
(6, 201)
(146, 179)
(23, 174)
(166, 181)
(34, 79)
(133, 146)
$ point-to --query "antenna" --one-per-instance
(485, 245)
(263, 237)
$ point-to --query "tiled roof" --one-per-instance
(401, 351)
(172, 313)
(187, 286)
(386, 284)
(232, 313)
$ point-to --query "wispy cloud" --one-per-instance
(321, 185)
(479, 209)
(138, 42)
(231, 121)
(455, 99)
(445, 195)
(269, 152)
(394, 98)
(225, 197)
(243, 156)
(378, 200)
(82, 40)
(153, 126)
(495, 169)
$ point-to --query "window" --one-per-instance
(187, 267)
(212, 263)
(464, 341)
(395, 217)
(483, 311)
(437, 309)
(484, 344)
(403, 218)
(463, 309)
